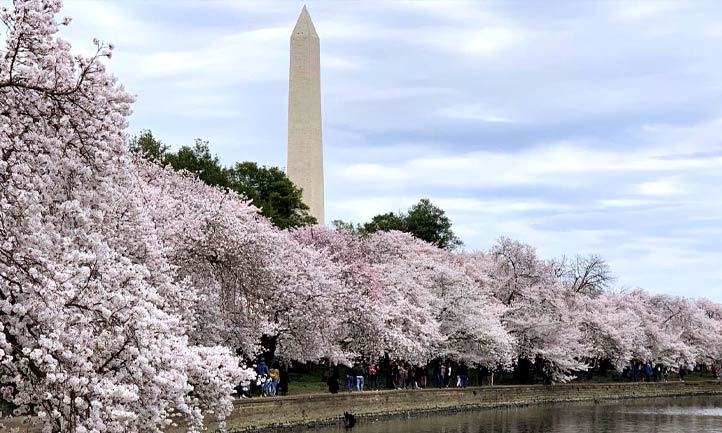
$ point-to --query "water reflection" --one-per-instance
(663, 415)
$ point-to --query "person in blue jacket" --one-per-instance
(648, 372)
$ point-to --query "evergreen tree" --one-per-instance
(150, 147)
(198, 160)
(273, 192)
(423, 220)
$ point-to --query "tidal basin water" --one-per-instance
(659, 415)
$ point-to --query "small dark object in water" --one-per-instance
(349, 420)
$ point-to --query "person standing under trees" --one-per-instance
(400, 375)
(463, 376)
(403, 376)
(481, 372)
(359, 374)
(332, 380)
(373, 377)
(284, 380)
(421, 375)
(275, 375)
(447, 374)
(349, 378)
(413, 384)
(262, 372)
(648, 372)
(717, 366)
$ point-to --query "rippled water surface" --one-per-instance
(660, 415)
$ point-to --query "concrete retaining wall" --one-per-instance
(259, 414)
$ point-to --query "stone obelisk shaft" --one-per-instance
(305, 146)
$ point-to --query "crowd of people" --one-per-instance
(649, 372)
(269, 381)
(401, 375)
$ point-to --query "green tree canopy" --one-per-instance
(150, 147)
(198, 160)
(430, 223)
(386, 222)
(272, 191)
(423, 220)
(268, 187)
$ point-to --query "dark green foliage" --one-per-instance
(273, 192)
(423, 220)
(430, 223)
(268, 187)
(387, 222)
(149, 146)
(198, 160)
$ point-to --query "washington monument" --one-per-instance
(305, 147)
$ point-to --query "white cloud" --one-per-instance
(660, 188)
(250, 55)
(642, 10)
(625, 203)
(554, 164)
(497, 206)
(474, 112)
(483, 42)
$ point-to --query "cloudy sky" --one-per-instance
(577, 127)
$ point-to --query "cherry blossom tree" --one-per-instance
(252, 282)
(411, 330)
(611, 328)
(712, 315)
(540, 314)
(357, 302)
(427, 291)
(89, 338)
(676, 330)
(470, 317)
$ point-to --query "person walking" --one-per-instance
(648, 372)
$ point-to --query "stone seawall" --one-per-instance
(282, 413)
